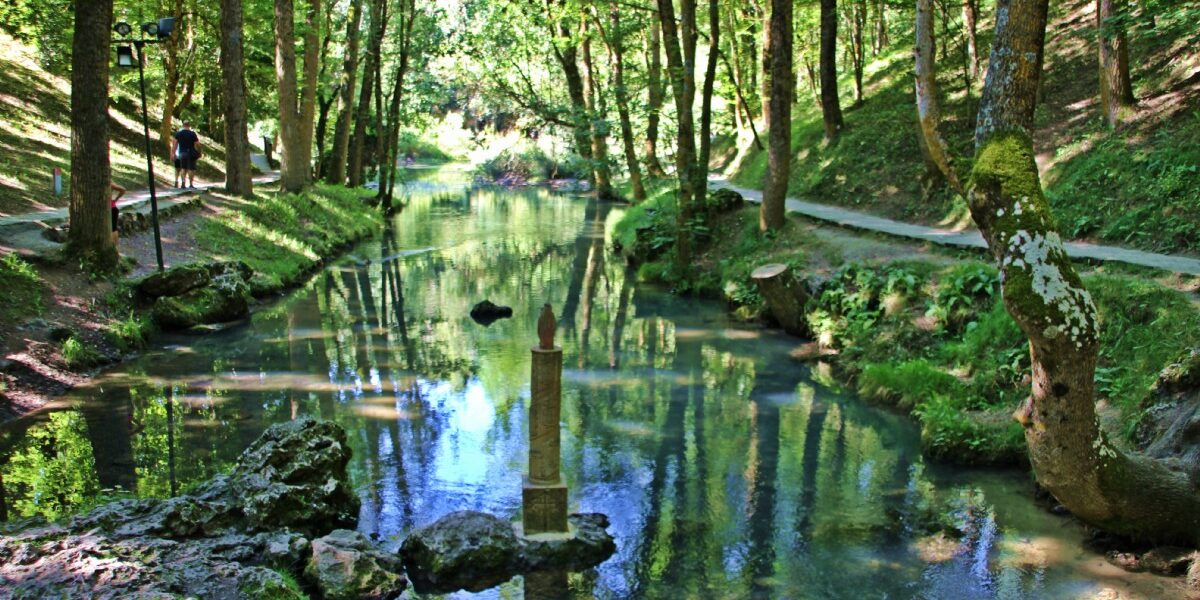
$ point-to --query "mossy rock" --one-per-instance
(226, 299)
(175, 281)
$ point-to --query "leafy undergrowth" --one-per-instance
(23, 290)
(929, 337)
(283, 237)
(1133, 186)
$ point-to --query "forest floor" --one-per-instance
(1134, 186)
(58, 326)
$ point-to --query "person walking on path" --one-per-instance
(117, 192)
(185, 146)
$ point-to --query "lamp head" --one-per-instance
(125, 57)
(161, 29)
(123, 29)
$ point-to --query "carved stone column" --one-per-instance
(544, 495)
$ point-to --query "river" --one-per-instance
(727, 469)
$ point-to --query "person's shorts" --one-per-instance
(177, 163)
(116, 213)
(187, 161)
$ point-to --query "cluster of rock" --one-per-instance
(279, 525)
(1170, 429)
(197, 294)
(485, 313)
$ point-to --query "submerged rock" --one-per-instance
(475, 551)
(232, 537)
(485, 313)
(345, 566)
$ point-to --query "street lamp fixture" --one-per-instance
(126, 57)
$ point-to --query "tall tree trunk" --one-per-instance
(1116, 88)
(858, 24)
(1071, 456)
(292, 177)
(308, 94)
(928, 107)
(341, 130)
(970, 16)
(654, 89)
(567, 55)
(616, 47)
(777, 111)
(171, 74)
(363, 113)
(681, 53)
(831, 108)
(706, 94)
(597, 125)
(881, 30)
(89, 237)
(388, 166)
(233, 94)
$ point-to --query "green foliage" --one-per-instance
(23, 289)
(52, 472)
(530, 164)
(962, 292)
(1143, 327)
(411, 143)
(948, 433)
(79, 355)
(283, 237)
(906, 384)
(130, 333)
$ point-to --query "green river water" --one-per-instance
(728, 470)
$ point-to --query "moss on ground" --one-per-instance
(931, 336)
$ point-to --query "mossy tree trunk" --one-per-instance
(654, 91)
(308, 92)
(929, 114)
(777, 112)
(358, 138)
(615, 39)
(706, 94)
(89, 237)
(233, 80)
(341, 129)
(680, 44)
(567, 55)
(1116, 87)
(294, 165)
(597, 124)
(1071, 457)
(831, 108)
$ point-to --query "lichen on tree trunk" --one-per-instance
(1071, 457)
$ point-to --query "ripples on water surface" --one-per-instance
(728, 471)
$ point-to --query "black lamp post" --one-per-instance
(125, 58)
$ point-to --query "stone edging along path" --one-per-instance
(964, 239)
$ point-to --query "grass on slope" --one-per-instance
(1136, 186)
(283, 237)
(35, 135)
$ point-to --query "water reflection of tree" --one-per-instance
(51, 471)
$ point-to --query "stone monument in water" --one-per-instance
(544, 496)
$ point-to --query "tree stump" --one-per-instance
(785, 297)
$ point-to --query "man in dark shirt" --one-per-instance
(185, 147)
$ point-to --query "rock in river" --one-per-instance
(232, 537)
(475, 551)
(192, 295)
(485, 313)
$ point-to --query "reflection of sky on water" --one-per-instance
(725, 470)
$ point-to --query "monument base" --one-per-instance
(544, 508)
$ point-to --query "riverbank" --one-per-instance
(919, 328)
(61, 326)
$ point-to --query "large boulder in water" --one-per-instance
(475, 551)
(228, 538)
(1170, 427)
(462, 550)
(345, 566)
(485, 313)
